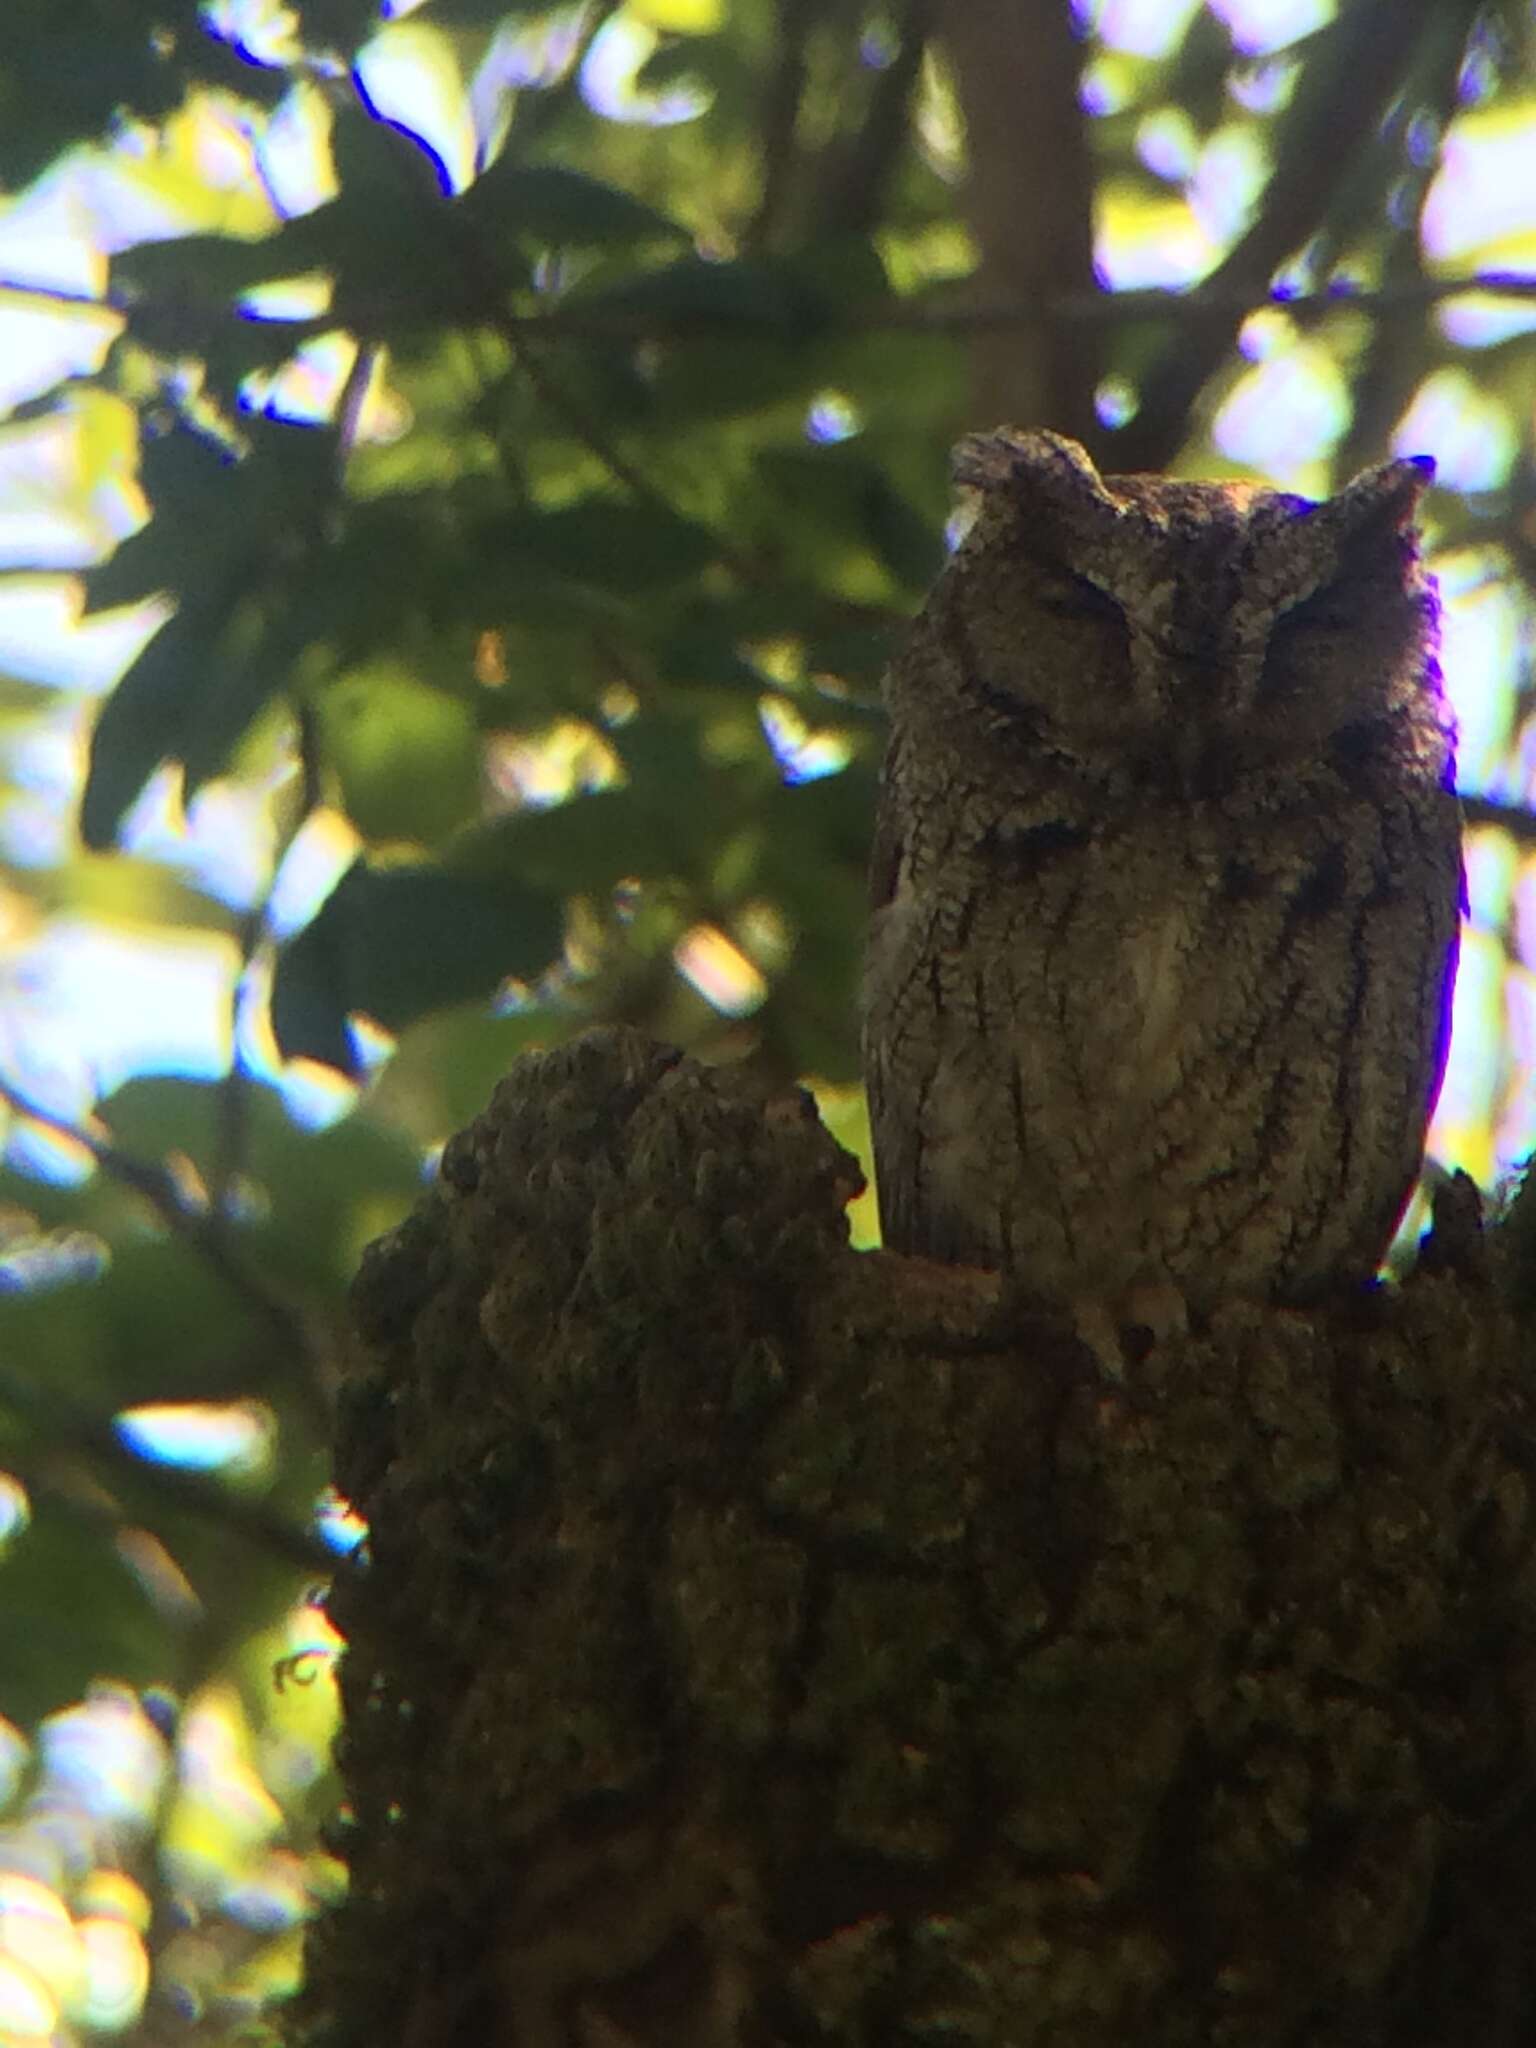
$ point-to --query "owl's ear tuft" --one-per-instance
(1385, 499)
(1032, 465)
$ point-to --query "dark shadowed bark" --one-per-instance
(1028, 199)
(758, 1645)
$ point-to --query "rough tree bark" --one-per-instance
(1028, 199)
(760, 1644)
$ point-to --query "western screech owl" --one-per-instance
(1166, 880)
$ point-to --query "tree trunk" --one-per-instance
(761, 1644)
(1028, 199)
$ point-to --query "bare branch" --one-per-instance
(1358, 68)
(1028, 199)
(1515, 819)
(781, 115)
(61, 1423)
(858, 169)
(946, 313)
(203, 1234)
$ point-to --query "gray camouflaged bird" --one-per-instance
(1165, 887)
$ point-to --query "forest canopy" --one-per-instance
(464, 469)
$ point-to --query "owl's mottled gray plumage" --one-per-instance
(1166, 883)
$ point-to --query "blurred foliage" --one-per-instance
(497, 447)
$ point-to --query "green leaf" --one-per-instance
(201, 498)
(394, 943)
(141, 721)
(407, 756)
(73, 1611)
(846, 504)
(240, 686)
(694, 293)
(554, 205)
(613, 543)
(580, 847)
(190, 695)
(214, 512)
(161, 279)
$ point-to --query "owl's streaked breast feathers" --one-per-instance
(1166, 883)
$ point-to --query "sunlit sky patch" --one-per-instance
(60, 1258)
(46, 241)
(46, 522)
(15, 1514)
(1462, 1129)
(1283, 417)
(42, 1967)
(318, 855)
(1468, 432)
(1480, 632)
(199, 172)
(1484, 319)
(213, 1750)
(409, 76)
(15, 1757)
(201, 1436)
(106, 1755)
(337, 1523)
(610, 72)
(1525, 910)
(293, 151)
(116, 1974)
(100, 1003)
(1141, 28)
(1228, 179)
(1481, 203)
(263, 31)
(1259, 26)
(315, 1096)
(85, 1005)
(1262, 87)
(45, 639)
(1167, 144)
(272, 1897)
(288, 298)
(222, 841)
(536, 770)
(44, 341)
(1141, 242)
(831, 417)
(1116, 401)
(307, 387)
(720, 971)
(46, 1154)
(29, 2013)
(802, 755)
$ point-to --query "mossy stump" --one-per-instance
(765, 1645)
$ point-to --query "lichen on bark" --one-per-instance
(762, 1644)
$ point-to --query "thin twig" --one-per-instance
(1329, 132)
(858, 168)
(199, 1230)
(948, 314)
(593, 436)
(64, 1424)
(780, 105)
(1515, 819)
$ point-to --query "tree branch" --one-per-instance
(202, 1233)
(1357, 68)
(1028, 196)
